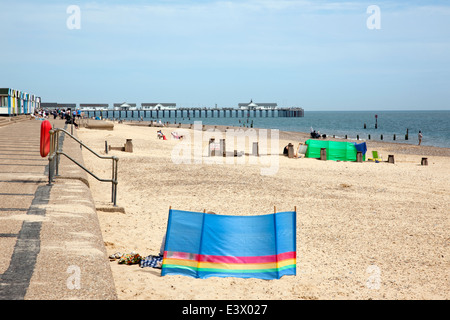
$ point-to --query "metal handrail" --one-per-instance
(56, 151)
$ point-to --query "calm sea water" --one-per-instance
(435, 125)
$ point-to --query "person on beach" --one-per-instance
(420, 137)
(286, 151)
(69, 120)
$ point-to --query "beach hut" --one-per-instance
(15, 102)
(336, 150)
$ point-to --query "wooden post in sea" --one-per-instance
(406, 135)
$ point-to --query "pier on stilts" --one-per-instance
(197, 113)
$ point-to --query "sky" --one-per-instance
(318, 55)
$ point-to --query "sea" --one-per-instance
(390, 126)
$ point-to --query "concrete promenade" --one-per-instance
(50, 238)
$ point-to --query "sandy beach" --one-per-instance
(364, 230)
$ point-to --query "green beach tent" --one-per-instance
(336, 150)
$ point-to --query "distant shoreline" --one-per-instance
(389, 126)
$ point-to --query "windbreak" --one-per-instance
(336, 150)
(205, 245)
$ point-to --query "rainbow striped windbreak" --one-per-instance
(204, 245)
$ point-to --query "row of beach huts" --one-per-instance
(15, 102)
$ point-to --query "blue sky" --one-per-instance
(318, 55)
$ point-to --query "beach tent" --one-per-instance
(203, 245)
(336, 150)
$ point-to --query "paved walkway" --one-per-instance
(50, 238)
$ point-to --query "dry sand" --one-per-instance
(364, 230)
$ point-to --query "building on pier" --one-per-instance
(158, 106)
(124, 106)
(94, 107)
(257, 106)
(55, 105)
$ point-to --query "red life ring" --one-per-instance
(46, 126)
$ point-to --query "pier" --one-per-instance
(170, 110)
(196, 113)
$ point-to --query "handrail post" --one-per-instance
(114, 183)
(50, 158)
(112, 180)
(57, 154)
(56, 151)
